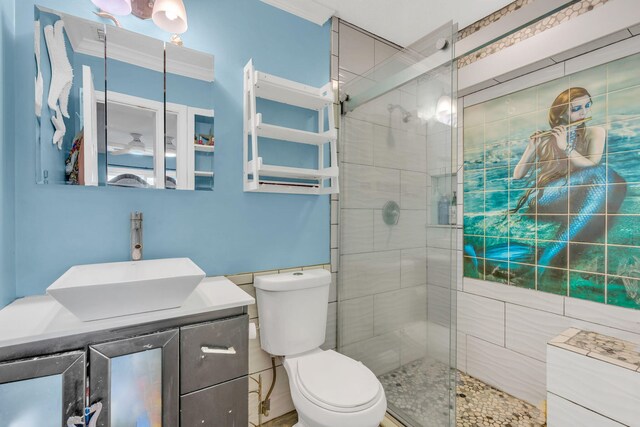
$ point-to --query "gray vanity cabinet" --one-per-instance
(185, 372)
(213, 373)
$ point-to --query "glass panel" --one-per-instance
(136, 389)
(135, 110)
(189, 95)
(35, 402)
(397, 282)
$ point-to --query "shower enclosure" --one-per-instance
(398, 227)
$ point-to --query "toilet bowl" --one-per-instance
(328, 389)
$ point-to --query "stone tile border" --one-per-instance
(536, 28)
(494, 17)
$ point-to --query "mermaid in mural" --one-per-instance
(565, 174)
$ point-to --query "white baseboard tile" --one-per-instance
(529, 330)
(563, 413)
(511, 372)
(599, 386)
(525, 297)
(481, 317)
(616, 317)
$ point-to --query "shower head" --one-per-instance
(406, 116)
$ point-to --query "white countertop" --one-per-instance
(40, 317)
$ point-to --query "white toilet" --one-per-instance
(328, 389)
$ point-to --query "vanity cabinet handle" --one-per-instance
(217, 350)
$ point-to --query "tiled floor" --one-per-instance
(419, 392)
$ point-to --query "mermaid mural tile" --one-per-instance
(474, 147)
(587, 258)
(587, 286)
(474, 224)
(623, 291)
(547, 93)
(623, 74)
(496, 225)
(594, 78)
(552, 280)
(627, 164)
(473, 180)
(474, 115)
(623, 230)
(622, 104)
(624, 261)
(496, 202)
(593, 233)
(561, 207)
(518, 275)
(474, 202)
(497, 179)
(624, 131)
(496, 133)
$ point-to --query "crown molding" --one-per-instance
(306, 9)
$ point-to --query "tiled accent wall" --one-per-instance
(260, 361)
(502, 329)
(588, 215)
(537, 27)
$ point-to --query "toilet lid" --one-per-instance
(337, 380)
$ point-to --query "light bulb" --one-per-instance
(171, 15)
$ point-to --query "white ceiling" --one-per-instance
(400, 21)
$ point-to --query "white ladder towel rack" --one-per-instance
(261, 177)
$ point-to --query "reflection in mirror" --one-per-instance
(135, 110)
(190, 119)
(154, 126)
(69, 56)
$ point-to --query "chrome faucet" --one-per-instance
(136, 236)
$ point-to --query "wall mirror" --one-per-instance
(119, 108)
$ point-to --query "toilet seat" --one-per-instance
(336, 382)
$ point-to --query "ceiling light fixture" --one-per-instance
(170, 15)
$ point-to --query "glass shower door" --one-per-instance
(398, 227)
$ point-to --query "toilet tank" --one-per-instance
(292, 308)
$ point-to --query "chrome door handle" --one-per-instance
(217, 350)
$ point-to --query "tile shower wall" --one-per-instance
(382, 268)
(260, 362)
(576, 232)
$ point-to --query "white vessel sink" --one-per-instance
(100, 291)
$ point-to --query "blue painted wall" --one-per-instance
(7, 144)
(225, 231)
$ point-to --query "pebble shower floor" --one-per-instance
(418, 390)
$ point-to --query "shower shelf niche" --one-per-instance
(259, 176)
